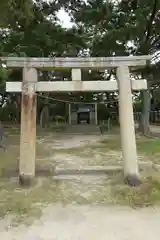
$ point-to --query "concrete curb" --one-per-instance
(99, 169)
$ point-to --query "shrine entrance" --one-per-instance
(83, 116)
(123, 84)
(83, 113)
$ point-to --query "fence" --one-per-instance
(114, 119)
(154, 117)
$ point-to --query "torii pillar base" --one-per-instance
(26, 181)
(132, 180)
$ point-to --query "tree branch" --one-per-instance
(149, 25)
(156, 40)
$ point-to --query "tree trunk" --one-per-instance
(144, 125)
(18, 112)
(44, 117)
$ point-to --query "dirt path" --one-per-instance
(68, 141)
(86, 222)
(90, 223)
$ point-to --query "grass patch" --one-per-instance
(147, 194)
(58, 127)
(29, 203)
(13, 199)
(149, 146)
(10, 157)
(112, 143)
(23, 202)
(144, 145)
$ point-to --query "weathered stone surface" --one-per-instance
(76, 86)
(99, 62)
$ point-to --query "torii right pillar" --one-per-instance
(127, 127)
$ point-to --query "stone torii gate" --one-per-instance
(30, 85)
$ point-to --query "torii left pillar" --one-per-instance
(28, 127)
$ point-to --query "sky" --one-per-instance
(64, 18)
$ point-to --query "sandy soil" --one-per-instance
(90, 223)
(68, 141)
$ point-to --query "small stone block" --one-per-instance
(76, 74)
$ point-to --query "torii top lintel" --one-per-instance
(97, 62)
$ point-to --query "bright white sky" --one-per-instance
(64, 19)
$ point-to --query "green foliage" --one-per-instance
(4, 74)
(112, 24)
(146, 195)
(59, 118)
(102, 28)
(11, 10)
